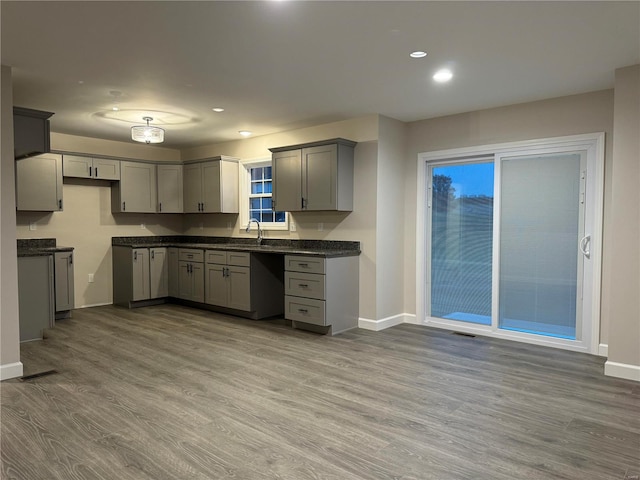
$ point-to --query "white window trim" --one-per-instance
(244, 180)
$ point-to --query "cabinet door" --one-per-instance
(170, 188)
(158, 273)
(39, 183)
(140, 270)
(197, 279)
(106, 169)
(211, 187)
(229, 194)
(320, 177)
(185, 286)
(64, 285)
(35, 296)
(137, 187)
(287, 180)
(239, 282)
(76, 166)
(173, 273)
(192, 188)
(215, 285)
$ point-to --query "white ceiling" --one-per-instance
(275, 65)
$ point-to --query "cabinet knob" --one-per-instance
(60, 204)
(135, 256)
(123, 206)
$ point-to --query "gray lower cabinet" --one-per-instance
(249, 284)
(191, 274)
(173, 272)
(64, 283)
(139, 275)
(228, 279)
(158, 273)
(321, 294)
(39, 183)
(35, 296)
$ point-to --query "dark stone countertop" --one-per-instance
(38, 247)
(320, 248)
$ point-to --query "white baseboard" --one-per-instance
(95, 305)
(377, 325)
(10, 370)
(603, 350)
(622, 370)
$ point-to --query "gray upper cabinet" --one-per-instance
(30, 132)
(211, 186)
(314, 176)
(90, 167)
(170, 188)
(39, 183)
(137, 189)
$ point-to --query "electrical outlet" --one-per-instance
(33, 225)
(320, 226)
(91, 278)
(292, 226)
(143, 226)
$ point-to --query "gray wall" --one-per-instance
(623, 310)
(572, 115)
(10, 365)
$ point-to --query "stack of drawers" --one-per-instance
(321, 294)
(304, 288)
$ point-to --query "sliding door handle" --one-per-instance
(585, 244)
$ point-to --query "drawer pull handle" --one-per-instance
(305, 265)
(303, 310)
(303, 285)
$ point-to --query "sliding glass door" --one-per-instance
(506, 249)
(461, 241)
(541, 223)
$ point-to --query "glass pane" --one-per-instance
(279, 216)
(256, 174)
(462, 242)
(254, 214)
(266, 203)
(267, 216)
(254, 203)
(256, 187)
(539, 234)
(267, 187)
(267, 173)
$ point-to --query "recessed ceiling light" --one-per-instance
(244, 133)
(443, 75)
(418, 54)
(218, 109)
(115, 109)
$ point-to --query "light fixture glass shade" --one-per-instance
(147, 133)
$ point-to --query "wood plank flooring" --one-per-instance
(169, 392)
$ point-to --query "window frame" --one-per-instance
(245, 191)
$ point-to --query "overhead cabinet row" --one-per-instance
(308, 177)
(210, 186)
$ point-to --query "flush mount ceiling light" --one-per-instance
(147, 133)
(418, 54)
(218, 109)
(443, 75)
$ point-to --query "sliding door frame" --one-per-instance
(593, 144)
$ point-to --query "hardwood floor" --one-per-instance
(169, 392)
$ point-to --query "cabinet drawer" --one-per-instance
(309, 285)
(216, 256)
(241, 259)
(295, 263)
(304, 310)
(191, 255)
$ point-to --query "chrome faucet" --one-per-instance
(259, 229)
